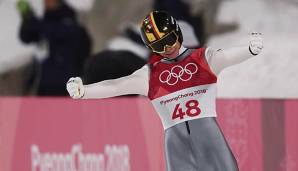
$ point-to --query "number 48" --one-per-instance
(192, 109)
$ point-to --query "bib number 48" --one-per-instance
(192, 109)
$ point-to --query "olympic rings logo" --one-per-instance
(178, 73)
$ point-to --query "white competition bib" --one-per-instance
(186, 104)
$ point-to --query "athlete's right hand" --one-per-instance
(75, 87)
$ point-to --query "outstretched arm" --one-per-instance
(221, 59)
(136, 83)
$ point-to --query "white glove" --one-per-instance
(255, 43)
(75, 87)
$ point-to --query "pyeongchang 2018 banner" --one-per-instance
(125, 134)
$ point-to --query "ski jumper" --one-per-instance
(183, 92)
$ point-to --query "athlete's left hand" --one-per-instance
(256, 43)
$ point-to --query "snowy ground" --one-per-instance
(273, 74)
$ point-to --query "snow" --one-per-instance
(269, 75)
(272, 74)
(14, 53)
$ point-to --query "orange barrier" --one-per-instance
(121, 134)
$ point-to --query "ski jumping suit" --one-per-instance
(183, 92)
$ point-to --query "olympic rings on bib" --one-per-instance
(178, 73)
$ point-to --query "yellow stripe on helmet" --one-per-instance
(155, 28)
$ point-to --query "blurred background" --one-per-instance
(45, 42)
(217, 23)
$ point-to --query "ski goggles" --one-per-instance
(169, 40)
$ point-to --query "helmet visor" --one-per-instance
(169, 40)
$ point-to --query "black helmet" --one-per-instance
(159, 30)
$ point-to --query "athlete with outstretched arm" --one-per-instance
(181, 84)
